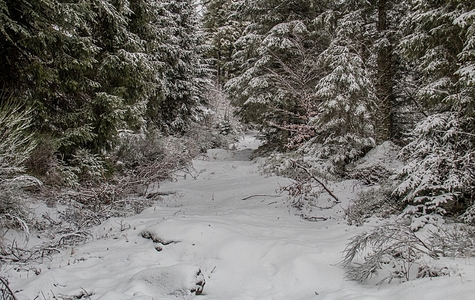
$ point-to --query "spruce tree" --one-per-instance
(50, 53)
(221, 33)
(280, 37)
(438, 175)
(346, 93)
(181, 69)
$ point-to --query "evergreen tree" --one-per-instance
(49, 54)
(438, 175)
(91, 68)
(182, 72)
(221, 34)
(347, 96)
(279, 38)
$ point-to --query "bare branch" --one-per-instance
(316, 179)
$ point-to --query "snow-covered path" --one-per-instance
(229, 228)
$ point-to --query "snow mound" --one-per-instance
(384, 155)
(178, 281)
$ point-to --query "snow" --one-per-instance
(384, 155)
(231, 231)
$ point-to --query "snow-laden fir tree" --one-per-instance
(438, 176)
(92, 68)
(346, 97)
(221, 33)
(182, 71)
(279, 45)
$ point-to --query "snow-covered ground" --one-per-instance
(230, 230)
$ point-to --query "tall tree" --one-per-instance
(279, 35)
(183, 72)
(347, 96)
(49, 53)
(221, 34)
(93, 67)
(438, 175)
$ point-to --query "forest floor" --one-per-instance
(227, 233)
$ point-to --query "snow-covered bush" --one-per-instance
(14, 210)
(469, 215)
(335, 153)
(455, 240)
(221, 122)
(377, 166)
(377, 201)
(280, 164)
(15, 148)
(370, 175)
(392, 247)
(200, 138)
(89, 166)
(136, 149)
(405, 252)
(438, 175)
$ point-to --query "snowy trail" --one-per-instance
(245, 247)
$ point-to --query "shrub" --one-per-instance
(393, 246)
(89, 167)
(14, 213)
(135, 149)
(17, 143)
(405, 252)
(469, 215)
(377, 201)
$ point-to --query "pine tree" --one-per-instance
(221, 33)
(347, 96)
(280, 37)
(438, 175)
(181, 70)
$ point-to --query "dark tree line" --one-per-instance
(91, 68)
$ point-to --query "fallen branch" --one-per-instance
(260, 195)
(316, 179)
(314, 218)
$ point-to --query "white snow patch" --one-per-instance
(231, 224)
(384, 155)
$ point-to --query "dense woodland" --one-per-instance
(326, 80)
(335, 78)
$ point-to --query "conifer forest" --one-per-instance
(102, 101)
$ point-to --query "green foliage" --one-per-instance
(276, 68)
(182, 71)
(222, 31)
(438, 173)
(92, 68)
(136, 149)
(89, 167)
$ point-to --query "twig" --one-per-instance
(7, 293)
(314, 218)
(316, 179)
(259, 195)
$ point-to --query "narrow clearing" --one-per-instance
(230, 231)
